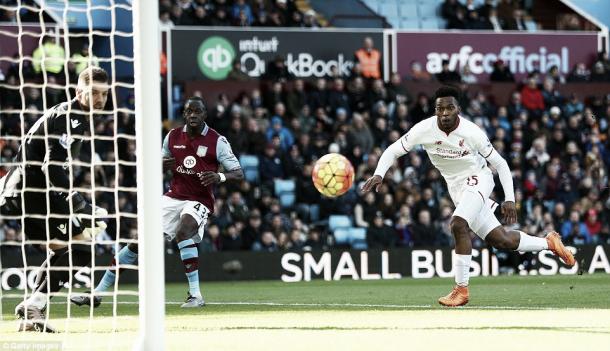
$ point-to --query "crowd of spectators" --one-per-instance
(488, 15)
(240, 13)
(557, 146)
(9, 13)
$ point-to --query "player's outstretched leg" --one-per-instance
(554, 244)
(520, 241)
(127, 255)
(463, 248)
(32, 310)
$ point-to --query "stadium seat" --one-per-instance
(530, 26)
(287, 200)
(408, 10)
(284, 189)
(360, 245)
(356, 233)
(394, 21)
(357, 238)
(442, 23)
(352, 236)
(177, 93)
(428, 10)
(176, 107)
(409, 23)
(429, 23)
(341, 237)
(249, 164)
(387, 9)
(339, 221)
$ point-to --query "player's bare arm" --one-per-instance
(509, 211)
(373, 182)
(209, 177)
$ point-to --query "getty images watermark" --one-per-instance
(30, 345)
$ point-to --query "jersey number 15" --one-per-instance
(472, 181)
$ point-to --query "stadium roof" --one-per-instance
(596, 11)
(100, 16)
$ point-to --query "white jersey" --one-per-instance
(457, 155)
(461, 156)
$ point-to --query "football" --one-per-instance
(333, 175)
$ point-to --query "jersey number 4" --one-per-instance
(472, 181)
(200, 210)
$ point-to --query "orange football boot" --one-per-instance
(554, 241)
(457, 297)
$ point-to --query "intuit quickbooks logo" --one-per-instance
(214, 57)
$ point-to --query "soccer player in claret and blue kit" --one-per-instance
(460, 150)
(194, 154)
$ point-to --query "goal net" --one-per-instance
(44, 45)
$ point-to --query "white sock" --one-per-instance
(531, 243)
(38, 300)
(462, 269)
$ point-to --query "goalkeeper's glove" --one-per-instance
(79, 203)
(93, 229)
(85, 214)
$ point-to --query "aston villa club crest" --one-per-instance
(202, 150)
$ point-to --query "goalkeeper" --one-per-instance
(51, 209)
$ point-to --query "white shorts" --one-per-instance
(471, 198)
(173, 209)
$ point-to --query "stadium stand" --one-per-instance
(556, 187)
(240, 13)
(448, 14)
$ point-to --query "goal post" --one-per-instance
(149, 175)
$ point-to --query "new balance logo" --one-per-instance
(179, 146)
(62, 228)
(75, 123)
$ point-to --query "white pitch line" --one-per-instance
(282, 304)
(316, 304)
(379, 306)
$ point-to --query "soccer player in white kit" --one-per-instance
(460, 150)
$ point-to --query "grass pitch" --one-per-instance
(505, 313)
